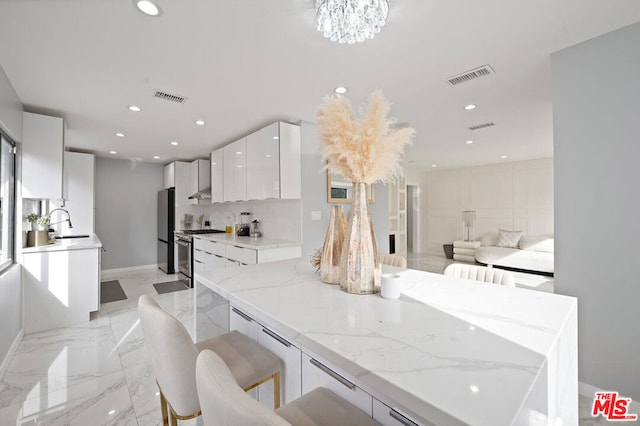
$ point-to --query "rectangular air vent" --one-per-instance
(480, 126)
(169, 97)
(471, 75)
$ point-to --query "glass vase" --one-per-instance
(332, 249)
(360, 268)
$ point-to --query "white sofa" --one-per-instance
(533, 253)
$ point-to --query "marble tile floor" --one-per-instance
(99, 373)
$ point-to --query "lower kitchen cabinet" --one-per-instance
(316, 374)
(61, 288)
(289, 354)
(387, 416)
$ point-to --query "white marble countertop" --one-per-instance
(66, 244)
(259, 243)
(449, 351)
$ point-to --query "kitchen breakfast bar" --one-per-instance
(448, 352)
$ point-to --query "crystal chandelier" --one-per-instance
(351, 21)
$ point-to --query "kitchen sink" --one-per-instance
(59, 237)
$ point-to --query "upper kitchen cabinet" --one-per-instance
(42, 156)
(79, 178)
(235, 171)
(169, 176)
(200, 181)
(217, 175)
(273, 162)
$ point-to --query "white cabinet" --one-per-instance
(217, 175)
(273, 162)
(243, 255)
(289, 354)
(169, 176)
(263, 164)
(78, 191)
(235, 171)
(61, 288)
(200, 179)
(317, 374)
(42, 156)
(290, 386)
(388, 416)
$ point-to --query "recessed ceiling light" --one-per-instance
(112, 152)
(238, 152)
(199, 122)
(341, 90)
(276, 137)
(470, 107)
(135, 108)
(239, 166)
(503, 156)
(155, 157)
(469, 142)
(268, 155)
(474, 388)
(148, 8)
(112, 412)
(434, 165)
(120, 135)
(174, 143)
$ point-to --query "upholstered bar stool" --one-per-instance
(173, 358)
(393, 260)
(480, 273)
(225, 404)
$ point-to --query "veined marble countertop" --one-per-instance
(259, 243)
(67, 244)
(449, 351)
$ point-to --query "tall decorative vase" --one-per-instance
(332, 249)
(360, 268)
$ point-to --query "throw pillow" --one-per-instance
(508, 239)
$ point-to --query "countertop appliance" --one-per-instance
(166, 219)
(184, 246)
(245, 228)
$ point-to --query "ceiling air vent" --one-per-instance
(471, 75)
(480, 126)
(169, 97)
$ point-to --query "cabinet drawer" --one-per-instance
(200, 255)
(387, 416)
(315, 374)
(242, 322)
(290, 383)
(214, 247)
(242, 255)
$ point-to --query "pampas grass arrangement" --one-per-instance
(362, 150)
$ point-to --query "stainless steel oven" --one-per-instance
(183, 243)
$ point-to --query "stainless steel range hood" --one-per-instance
(205, 194)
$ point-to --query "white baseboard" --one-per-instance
(12, 349)
(128, 269)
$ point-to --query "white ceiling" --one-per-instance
(245, 63)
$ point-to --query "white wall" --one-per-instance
(514, 196)
(10, 281)
(126, 195)
(314, 197)
(597, 155)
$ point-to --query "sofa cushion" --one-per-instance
(540, 243)
(516, 258)
(509, 239)
(489, 239)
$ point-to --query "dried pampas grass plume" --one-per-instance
(364, 150)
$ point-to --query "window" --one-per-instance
(7, 202)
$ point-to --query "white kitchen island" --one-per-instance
(61, 283)
(448, 352)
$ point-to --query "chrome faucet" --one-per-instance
(68, 217)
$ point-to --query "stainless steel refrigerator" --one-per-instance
(166, 220)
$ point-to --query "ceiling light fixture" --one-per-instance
(503, 156)
(120, 135)
(112, 152)
(351, 21)
(199, 122)
(469, 142)
(174, 143)
(470, 107)
(434, 165)
(135, 108)
(341, 90)
(276, 137)
(148, 7)
(155, 157)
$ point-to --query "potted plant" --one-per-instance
(39, 234)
